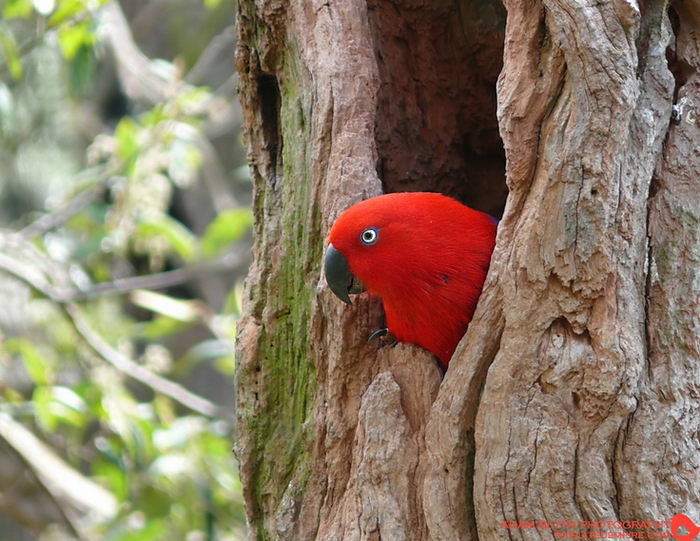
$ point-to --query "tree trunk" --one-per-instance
(574, 396)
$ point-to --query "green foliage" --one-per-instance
(171, 232)
(169, 468)
(82, 70)
(127, 142)
(67, 10)
(17, 8)
(41, 368)
(74, 37)
(11, 52)
(229, 226)
(56, 406)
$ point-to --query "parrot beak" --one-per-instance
(338, 275)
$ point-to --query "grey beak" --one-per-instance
(338, 275)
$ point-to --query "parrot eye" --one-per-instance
(369, 236)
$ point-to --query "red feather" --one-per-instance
(427, 266)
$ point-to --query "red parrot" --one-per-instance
(425, 255)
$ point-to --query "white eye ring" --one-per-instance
(369, 236)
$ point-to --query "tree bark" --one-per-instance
(574, 394)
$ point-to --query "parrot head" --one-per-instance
(424, 255)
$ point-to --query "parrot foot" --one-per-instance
(384, 335)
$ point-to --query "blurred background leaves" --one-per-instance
(124, 237)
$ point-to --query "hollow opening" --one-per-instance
(270, 105)
(436, 124)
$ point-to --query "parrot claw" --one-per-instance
(379, 333)
(384, 335)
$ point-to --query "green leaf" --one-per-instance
(40, 369)
(73, 37)
(65, 10)
(135, 434)
(11, 52)
(17, 9)
(42, 406)
(192, 100)
(10, 395)
(92, 396)
(154, 502)
(211, 4)
(181, 239)
(161, 326)
(234, 300)
(59, 405)
(229, 226)
(68, 398)
(226, 365)
(153, 117)
(82, 69)
(113, 476)
(177, 309)
(215, 446)
(126, 135)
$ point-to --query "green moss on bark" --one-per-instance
(288, 252)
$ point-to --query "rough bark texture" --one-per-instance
(574, 395)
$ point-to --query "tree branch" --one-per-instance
(71, 492)
(217, 45)
(158, 280)
(121, 362)
(29, 275)
(58, 217)
(134, 370)
(138, 75)
(43, 28)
